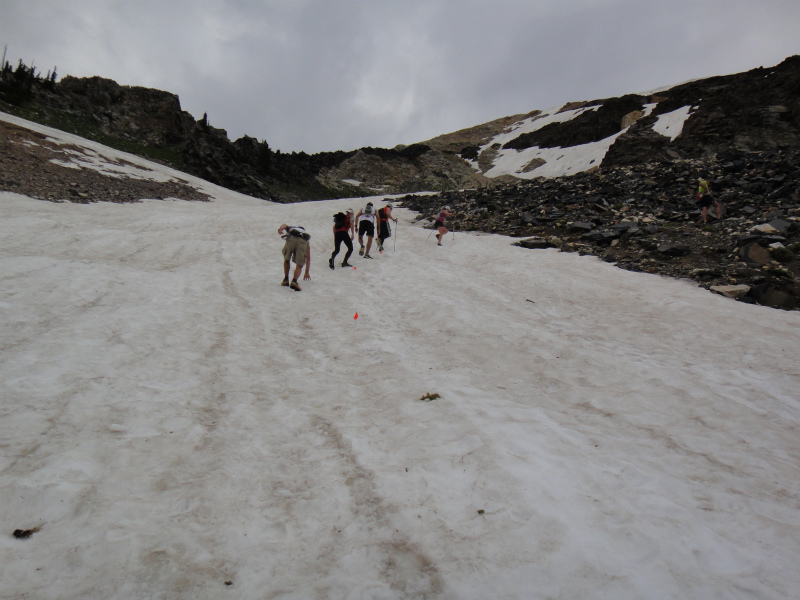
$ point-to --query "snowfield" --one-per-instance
(178, 425)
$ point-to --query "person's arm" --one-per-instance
(308, 262)
(355, 223)
(282, 228)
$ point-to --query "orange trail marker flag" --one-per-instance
(356, 317)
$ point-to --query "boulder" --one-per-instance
(780, 225)
(755, 253)
(772, 228)
(768, 294)
(731, 291)
(581, 226)
(535, 244)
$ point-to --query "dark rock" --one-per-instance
(674, 249)
(581, 226)
(535, 244)
(755, 253)
(772, 295)
(780, 225)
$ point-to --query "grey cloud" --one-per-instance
(318, 75)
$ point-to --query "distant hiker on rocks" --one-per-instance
(439, 224)
(705, 198)
(297, 248)
(343, 231)
(366, 226)
(384, 231)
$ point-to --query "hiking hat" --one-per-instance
(388, 206)
(350, 210)
(447, 208)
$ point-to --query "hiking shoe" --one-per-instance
(285, 282)
(367, 256)
(330, 262)
(295, 286)
(361, 252)
(346, 264)
(439, 244)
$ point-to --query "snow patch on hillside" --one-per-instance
(556, 162)
(671, 124)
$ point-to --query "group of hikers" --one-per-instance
(367, 221)
(345, 227)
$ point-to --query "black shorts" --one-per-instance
(438, 224)
(366, 227)
(705, 201)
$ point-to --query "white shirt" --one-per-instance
(367, 217)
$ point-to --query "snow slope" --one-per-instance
(173, 419)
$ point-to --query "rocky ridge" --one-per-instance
(745, 112)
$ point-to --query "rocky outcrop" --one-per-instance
(150, 116)
(746, 112)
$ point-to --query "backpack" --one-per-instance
(299, 232)
(339, 219)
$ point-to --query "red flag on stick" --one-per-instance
(356, 317)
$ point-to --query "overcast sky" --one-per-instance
(318, 75)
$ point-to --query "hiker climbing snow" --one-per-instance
(384, 231)
(439, 224)
(343, 231)
(366, 226)
(298, 249)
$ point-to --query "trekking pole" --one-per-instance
(396, 229)
(429, 236)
